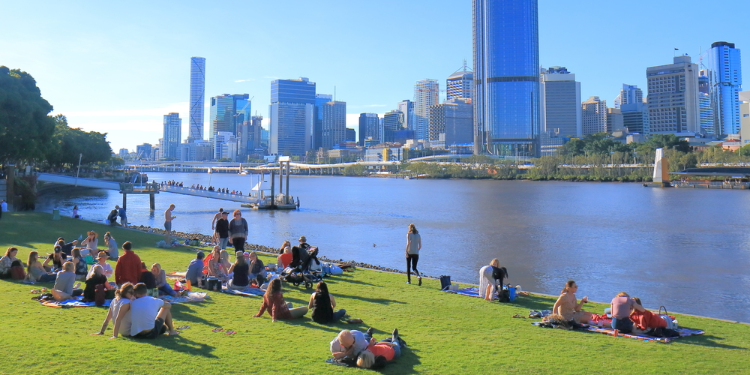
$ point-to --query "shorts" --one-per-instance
(168, 226)
(159, 329)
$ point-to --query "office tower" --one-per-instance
(744, 97)
(225, 146)
(615, 121)
(227, 111)
(248, 137)
(392, 123)
(198, 150)
(633, 110)
(630, 94)
(673, 97)
(706, 111)
(143, 152)
(594, 115)
(351, 135)
(460, 84)
(407, 108)
(172, 135)
(334, 124)
(453, 121)
(124, 153)
(368, 127)
(725, 74)
(506, 73)
(291, 114)
(561, 98)
(197, 97)
(320, 99)
(426, 94)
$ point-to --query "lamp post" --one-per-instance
(209, 176)
(79, 167)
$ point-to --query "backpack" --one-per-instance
(99, 295)
(671, 324)
(445, 282)
(503, 295)
(17, 272)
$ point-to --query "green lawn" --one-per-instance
(447, 334)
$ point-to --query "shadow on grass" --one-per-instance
(372, 300)
(180, 313)
(708, 341)
(533, 302)
(308, 323)
(346, 278)
(180, 344)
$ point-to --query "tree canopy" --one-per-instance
(70, 143)
(25, 128)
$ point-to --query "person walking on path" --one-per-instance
(413, 245)
(238, 231)
(123, 217)
(128, 268)
(168, 225)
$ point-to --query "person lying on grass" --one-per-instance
(645, 321)
(379, 354)
(123, 296)
(348, 344)
(149, 316)
(64, 288)
(273, 301)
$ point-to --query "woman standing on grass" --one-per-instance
(413, 245)
(238, 231)
(273, 301)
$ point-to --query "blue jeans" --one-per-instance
(396, 347)
(337, 315)
(623, 325)
(167, 289)
(48, 278)
(223, 243)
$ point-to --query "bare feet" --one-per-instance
(174, 333)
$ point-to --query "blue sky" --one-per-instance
(118, 67)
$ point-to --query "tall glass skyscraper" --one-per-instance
(172, 135)
(291, 115)
(227, 112)
(320, 99)
(506, 72)
(726, 81)
(197, 97)
(426, 94)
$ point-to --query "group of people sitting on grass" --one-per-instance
(136, 314)
(627, 313)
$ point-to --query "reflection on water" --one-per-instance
(667, 246)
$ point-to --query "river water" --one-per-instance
(686, 249)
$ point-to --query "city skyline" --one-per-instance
(70, 61)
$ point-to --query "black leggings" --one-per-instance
(239, 243)
(411, 262)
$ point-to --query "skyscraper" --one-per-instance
(426, 94)
(368, 127)
(197, 97)
(707, 124)
(334, 123)
(726, 82)
(392, 122)
(320, 99)
(506, 72)
(291, 115)
(227, 112)
(172, 135)
(673, 97)
(454, 120)
(460, 84)
(594, 115)
(407, 108)
(630, 94)
(633, 109)
(561, 98)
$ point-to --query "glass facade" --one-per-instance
(197, 97)
(726, 80)
(426, 95)
(334, 124)
(368, 127)
(227, 112)
(506, 72)
(292, 116)
(172, 135)
(320, 99)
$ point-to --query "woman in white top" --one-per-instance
(90, 244)
(413, 245)
(101, 260)
(123, 296)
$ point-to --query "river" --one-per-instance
(686, 249)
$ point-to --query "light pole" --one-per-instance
(209, 176)
(79, 167)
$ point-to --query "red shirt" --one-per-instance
(128, 268)
(276, 307)
(382, 349)
(647, 319)
(285, 258)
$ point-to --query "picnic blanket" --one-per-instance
(684, 332)
(74, 302)
(191, 297)
(176, 275)
(248, 292)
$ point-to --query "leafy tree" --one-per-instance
(25, 128)
(667, 141)
(68, 144)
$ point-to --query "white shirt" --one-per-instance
(105, 267)
(143, 313)
(114, 307)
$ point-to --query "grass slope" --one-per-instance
(447, 334)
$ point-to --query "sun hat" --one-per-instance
(102, 255)
(303, 238)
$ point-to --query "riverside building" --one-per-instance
(368, 127)
(197, 97)
(172, 135)
(320, 99)
(426, 94)
(673, 97)
(594, 115)
(334, 124)
(506, 72)
(725, 74)
(561, 98)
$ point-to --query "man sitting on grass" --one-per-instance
(348, 344)
(150, 317)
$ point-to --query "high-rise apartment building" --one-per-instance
(426, 94)
(594, 115)
(561, 102)
(673, 97)
(334, 124)
(633, 110)
(506, 72)
(460, 84)
(744, 117)
(707, 124)
(726, 82)
(452, 121)
(172, 135)
(292, 116)
(615, 121)
(392, 122)
(368, 127)
(197, 97)
(320, 99)
(630, 94)
(407, 108)
(227, 112)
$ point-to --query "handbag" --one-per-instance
(445, 282)
(671, 324)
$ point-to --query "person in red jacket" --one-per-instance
(128, 268)
(646, 320)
